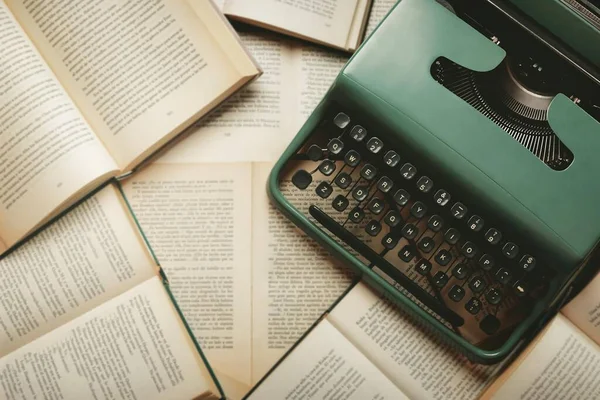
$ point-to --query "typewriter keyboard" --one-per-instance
(395, 213)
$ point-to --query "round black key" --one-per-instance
(391, 158)
(460, 271)
(426, 244)
(358, 133)
(392, 218)
(301, 179)
(477, 284)
(473, 306)
(493, 296)
(410, 231)
(340, 203)
(360, 193)
(324, 190)
(475, 223)
(486, 262)
(503, 276)
(443, 257)
(335, 146)
(341, 120)
(401, 197)
(469, 249)
(314, 153)
(459, 210)
(423, 267)
(352, 158)
(424, 184)
(368, 172)
(385, 184)
(440, 279)
(327, 167)
(376, 206)
(343, 180)
(527, 263)
(418, 209)
(435, 223)
(441, 197)
(407, 253)
(374, 145)
(456, 293)
(452, 236)
(356, 215)
(373, 228)
(408, 171)
(510, 250)
(389, 241)
(493, 236)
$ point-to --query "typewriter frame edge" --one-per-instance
(519, 338)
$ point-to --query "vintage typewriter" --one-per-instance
(454, 164)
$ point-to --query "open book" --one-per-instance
(260, 121)
(249, 283)
(90, 91)
(563, 361)
(365, 348)
(85, 313)
(336, 23)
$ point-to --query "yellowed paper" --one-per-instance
(181, 70)
(584, 310)
(259, 122)
(197, 219)
(294, 280)
(563, 364)
(325, 365)
(326, 21)
(92, 254)
(418, 363)
(133, 346)
(43, 136)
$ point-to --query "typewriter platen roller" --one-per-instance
(453, 164)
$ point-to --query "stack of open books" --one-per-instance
(91, 91)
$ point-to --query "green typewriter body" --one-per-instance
(454, 165)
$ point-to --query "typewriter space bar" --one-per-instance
(404, 281)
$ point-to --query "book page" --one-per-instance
(88, 256)
(258, 123)
(416, 361)
(563, 364)
(326, 21)
(197, 218)
(133, 346)
(294, 280)
(326, 366)
(584, 310)
(47, 150)
(139, 71)
(317, 69)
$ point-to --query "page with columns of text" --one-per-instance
(249, 282)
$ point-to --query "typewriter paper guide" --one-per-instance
(392, 74)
